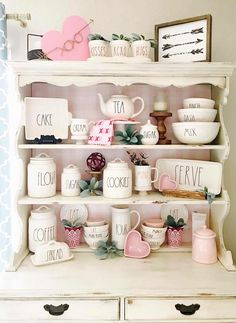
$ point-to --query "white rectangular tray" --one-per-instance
(192, 175)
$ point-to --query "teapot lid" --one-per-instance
(205, 233)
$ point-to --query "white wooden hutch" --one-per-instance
(120, 289)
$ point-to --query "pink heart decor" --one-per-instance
(71, 43)
(135, 247)
(166, 183)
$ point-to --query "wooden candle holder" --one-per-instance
(160, 118)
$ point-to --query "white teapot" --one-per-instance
(120, 107)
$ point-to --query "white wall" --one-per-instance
(127, 16)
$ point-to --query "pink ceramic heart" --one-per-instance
(166, 183)
(68, 44)
(135, 247)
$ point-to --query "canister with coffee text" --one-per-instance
(42, 227)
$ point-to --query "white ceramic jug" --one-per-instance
(120, 107)
(121, 223)
(117, 180)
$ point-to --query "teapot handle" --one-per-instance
(142, 107)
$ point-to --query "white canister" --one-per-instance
(42, 227)
(117, 180)
(150, 134)
(41, 176)
(70, 178)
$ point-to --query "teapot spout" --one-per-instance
(102, 103)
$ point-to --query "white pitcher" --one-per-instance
(121, 223)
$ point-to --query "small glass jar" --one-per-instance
(160, 102)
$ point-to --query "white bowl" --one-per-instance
(93, 242)
(153, 233)
(96, 235)
(154, 243)
(197, 115)
(95, 223)
(98, 229)
(200, 103)
(196, 133)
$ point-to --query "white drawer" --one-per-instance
(152, 309)
(79, 309)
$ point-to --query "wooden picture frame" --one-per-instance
(186, 40)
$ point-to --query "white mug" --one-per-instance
(143, 180)
(121, 224)
(79, 128)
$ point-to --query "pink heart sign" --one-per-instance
(135, 247)
(71, 43)
(166, 183)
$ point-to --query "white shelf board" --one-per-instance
(152, 197)
(185, 247)
(115, 147)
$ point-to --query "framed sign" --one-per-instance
(191, 175)
(186, 40)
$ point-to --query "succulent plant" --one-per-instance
(136, 37)
(90, 187)
(96, 37)
(129, 136)
(171, 222)
(138, 160)
(106, 249)
(72, 224)
(120, 37)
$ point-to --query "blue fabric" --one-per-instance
(5, 222)
(3, 32)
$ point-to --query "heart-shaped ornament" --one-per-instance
(166, 183)
(135, 247)
(70, 44)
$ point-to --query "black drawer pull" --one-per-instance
(187, 309)
(56, 310)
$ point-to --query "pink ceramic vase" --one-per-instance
(174, 236)
(73, 236)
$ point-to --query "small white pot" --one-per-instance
(119, 48)
(150, 134)
(98, 48)
(141, 48)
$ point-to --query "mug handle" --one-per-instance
(142, 107)
(138, 218)
(156, 177)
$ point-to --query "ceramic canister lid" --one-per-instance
(71, 169)
(117, 163)
(42, 212)
(149, 124)
(205, 233)
(41, 158)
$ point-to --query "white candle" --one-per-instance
(160, 103)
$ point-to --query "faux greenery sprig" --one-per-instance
(136, 37)
(129, 136)
(120, 37)
(171, 222)
(106, 249)
(209, 196)
(72, 224)
(138, 160)
(90, 187)
(96, 37)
